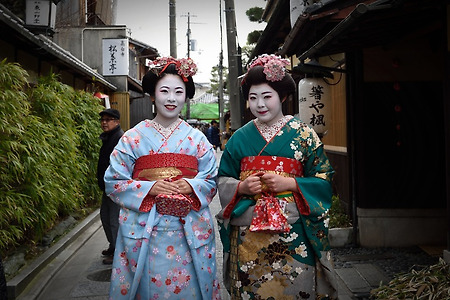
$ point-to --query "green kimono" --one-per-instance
(281, 265)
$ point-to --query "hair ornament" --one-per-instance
(185, 66)
(274, 66)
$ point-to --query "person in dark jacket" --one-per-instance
(109, 210)
(213, 134)
(3, 285)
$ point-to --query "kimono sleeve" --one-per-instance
(119, 184)
(315, 186)
(204, 184)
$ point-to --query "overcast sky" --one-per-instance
(148, 22)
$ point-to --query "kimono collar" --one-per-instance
(267, 131)
(166, 131)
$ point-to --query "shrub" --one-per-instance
(338, 217)
(48, 154)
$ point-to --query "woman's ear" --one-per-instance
(284, 99)
(152, 98)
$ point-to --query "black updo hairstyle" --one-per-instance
(284, 87)
(151, 78)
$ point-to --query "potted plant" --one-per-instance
(340, 226)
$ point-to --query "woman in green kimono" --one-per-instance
(275, 191)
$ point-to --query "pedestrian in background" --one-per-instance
(214, 134)
(275, 192)
(3, 285)
(109, 211)
(163, 174)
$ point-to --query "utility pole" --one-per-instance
(233, 72)
(188, 34)
(173, 28)
(221, 102)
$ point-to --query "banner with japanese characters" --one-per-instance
(115, 57)
(315, 103)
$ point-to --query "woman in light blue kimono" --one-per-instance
(163, 175)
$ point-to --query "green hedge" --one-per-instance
(48, 154)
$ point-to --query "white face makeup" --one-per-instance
(170, 96)
(265, 103)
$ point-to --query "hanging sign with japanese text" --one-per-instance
(314, 96)
(115, 57)
(40, 13)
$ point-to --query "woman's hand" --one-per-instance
(165, 187)
(184, 186)
(277, 183)
(168, 187)
(251, 185)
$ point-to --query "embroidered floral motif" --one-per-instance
(267, 131)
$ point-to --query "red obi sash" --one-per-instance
(165, 166)
(268, 212)
(171, 167)
(288, 167)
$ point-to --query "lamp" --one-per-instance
(314, 97)
(40, 16)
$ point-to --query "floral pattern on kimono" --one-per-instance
(158, 256)
(273, 265)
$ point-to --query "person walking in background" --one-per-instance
(275, 194)
(3, 285)
(163, 174)
(214, 134)
(109, 211)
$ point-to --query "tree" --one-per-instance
(215, 80)
(254, 14)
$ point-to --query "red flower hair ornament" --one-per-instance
(185, 66)
(274, 66)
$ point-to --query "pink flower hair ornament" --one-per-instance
(274, 66)
(185, 66)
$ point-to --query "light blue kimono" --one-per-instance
(156, 256)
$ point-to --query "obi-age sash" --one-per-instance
(170, 167)
(268, 212)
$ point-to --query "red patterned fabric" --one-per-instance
(268, 215)
(272, 163)
(147, 203)
(173, 205)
